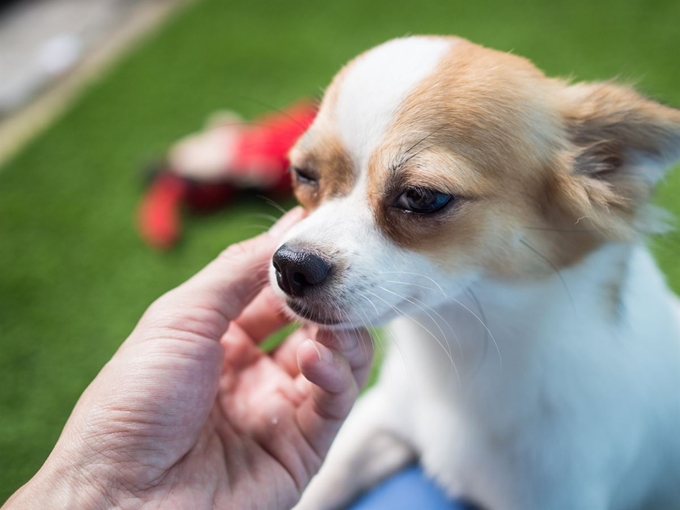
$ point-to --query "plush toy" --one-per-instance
(204, 171)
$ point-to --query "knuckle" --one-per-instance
(235, 251)
(250, 250)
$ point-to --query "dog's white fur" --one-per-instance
(516, 394)
(371, 92)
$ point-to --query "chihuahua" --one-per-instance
(496, 219)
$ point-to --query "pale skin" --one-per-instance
(191, 413)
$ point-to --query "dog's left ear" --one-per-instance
(622, 139)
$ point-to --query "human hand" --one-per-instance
(187, 416)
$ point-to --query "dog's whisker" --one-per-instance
(458, 342)
(349, 323)
(557, 272)
(363, 347)
(367, 321)
(265, 216)
(260, 228)
(414, 155)
(409, 300)
(393, 342)
(455, 336)
(411, 284)
(273, 203)
(376, 344)
(423, 139)
(444, 342)
(425, 328)
(474, 298)
(562, 230)
(377, 313)
(439, 287)
(460, 346)
(493, 338)
(374, 337)
(405, 156)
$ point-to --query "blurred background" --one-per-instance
(90, 90)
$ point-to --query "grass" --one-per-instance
(74, 277)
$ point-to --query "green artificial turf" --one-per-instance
(74, 276)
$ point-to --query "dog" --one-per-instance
(496, 219)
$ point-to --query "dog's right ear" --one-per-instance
(620, 144)
(621, 137)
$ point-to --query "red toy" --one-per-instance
(205, 170)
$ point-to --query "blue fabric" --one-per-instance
(408, 490)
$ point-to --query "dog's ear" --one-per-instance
(621, 138)
(619, 144)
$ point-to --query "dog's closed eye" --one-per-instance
(422, 200)
(304, 176)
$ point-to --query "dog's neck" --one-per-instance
(594, 288)
(616, 292)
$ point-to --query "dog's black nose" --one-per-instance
(298, 270)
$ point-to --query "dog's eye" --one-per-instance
(422, 200)
(303, 176)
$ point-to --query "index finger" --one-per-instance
(218, 293)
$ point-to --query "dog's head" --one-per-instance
(434, 162)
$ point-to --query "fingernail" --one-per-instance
(322, 351)
(287, 220)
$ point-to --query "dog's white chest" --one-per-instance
(555, 393)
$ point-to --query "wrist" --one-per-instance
(59, 486)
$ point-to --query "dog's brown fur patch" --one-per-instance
(321, 153)
(323, 157)
(490, 128)
(479, 129)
